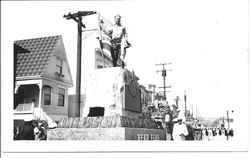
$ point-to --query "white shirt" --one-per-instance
(178, 130)
(117, 32)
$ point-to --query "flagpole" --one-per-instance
(99, 30)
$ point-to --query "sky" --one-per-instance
(206, 42)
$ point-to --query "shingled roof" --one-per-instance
(34, 61)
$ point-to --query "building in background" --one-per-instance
(102, 59)
(152, 88)
(143, 94)
(42, 78)
(147, 94)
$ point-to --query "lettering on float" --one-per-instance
(148, 137)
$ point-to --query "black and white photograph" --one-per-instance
(125, 76)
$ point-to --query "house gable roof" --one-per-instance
(34, 61)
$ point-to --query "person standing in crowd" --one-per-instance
(230, 134)
(223, 134)
(17, 133)
(217, 131)
(40, 130)
(220, 137)
(210, 134)
(180, 130)
(190, 135)
(205, 134)
(198, 135)
(168, 127)
(214, 132)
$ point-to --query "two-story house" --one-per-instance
(42, 78)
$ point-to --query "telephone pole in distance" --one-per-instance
(164, 74)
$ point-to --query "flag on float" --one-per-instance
(104, 37)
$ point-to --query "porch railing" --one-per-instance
(26, 108)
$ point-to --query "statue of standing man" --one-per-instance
(119, 41)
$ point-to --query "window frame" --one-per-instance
(60, 67)
(47, 86)
(64, 96)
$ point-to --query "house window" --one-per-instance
(59, 63)
(61, 97)
(47, 95)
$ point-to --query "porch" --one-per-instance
(27, 101)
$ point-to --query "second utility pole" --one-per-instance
(185, 100)
(164, 74)
(78, 18)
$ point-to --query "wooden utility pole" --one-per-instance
(164, 74)
(78, 18)
(228, 124)
(185, 100)
(196, 112)
(228, 120)
(192, 112)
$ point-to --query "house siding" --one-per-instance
(54, 109)
(51, 69)
(37, 68)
